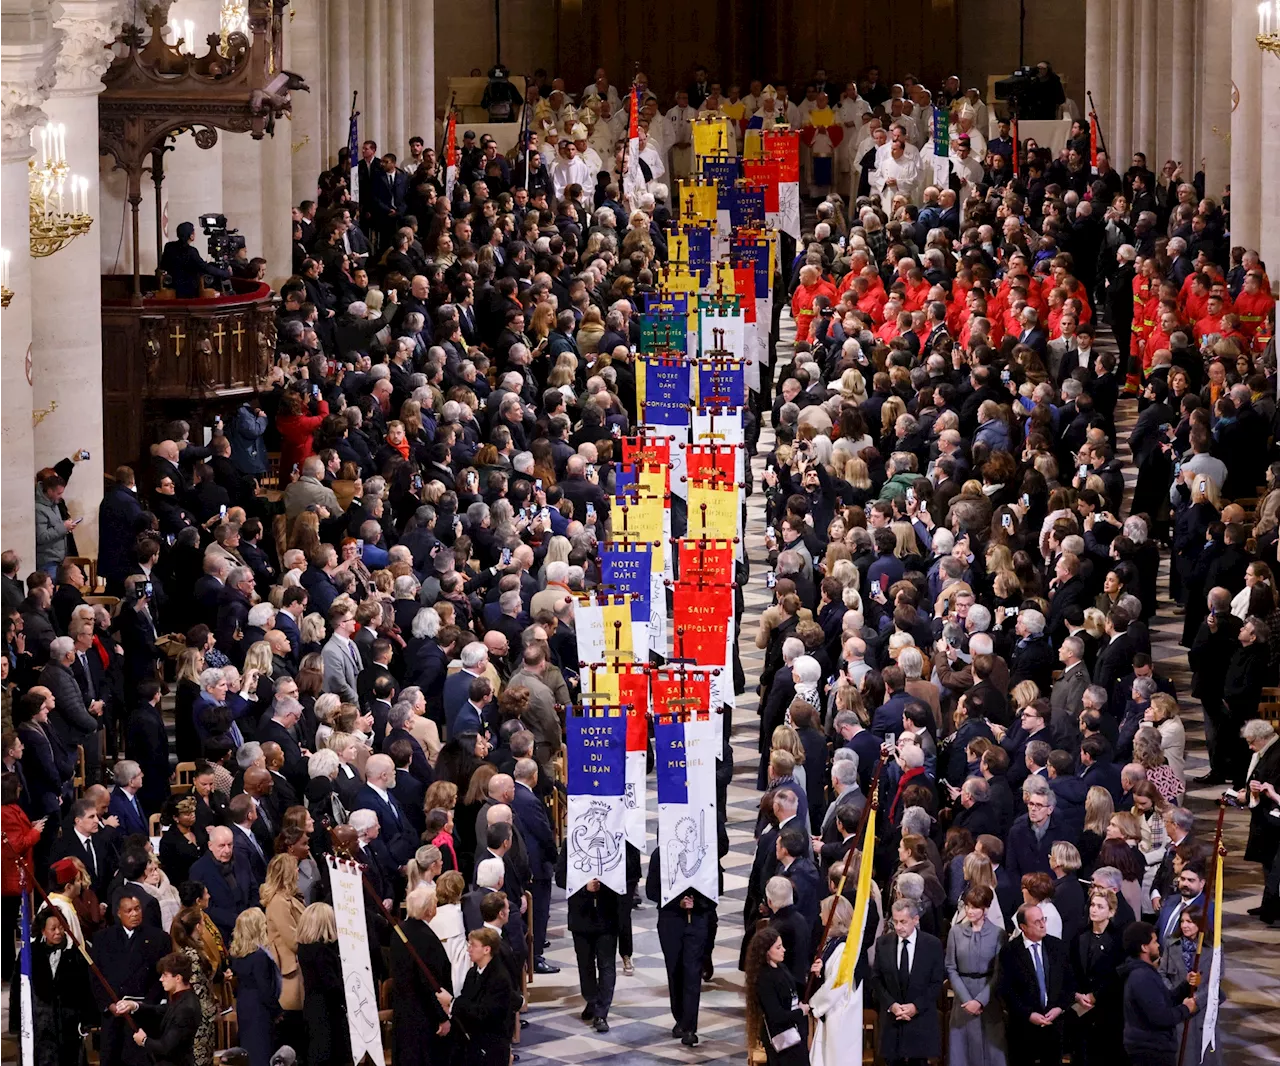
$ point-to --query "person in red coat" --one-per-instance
(20, 838)
(297, 427)
(812, 284)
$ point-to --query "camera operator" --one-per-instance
(185, 267)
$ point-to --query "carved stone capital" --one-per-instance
(89, 28)
(29, 74)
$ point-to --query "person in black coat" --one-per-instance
(533, 821)
(773, 1003)
(324, 1006)
(1095, 955)
(794, 927)
(419, 1017)
(127, 954)
(61, 1001)
(684, 928)
(147, 743)
(485, 1006)
(258, 986)
(595, 918)
(1033, 658)
(1036, 990)
(1249, 672)
(907, 988)
(172, 1039)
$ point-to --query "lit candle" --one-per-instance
(44, 147)
(84, 196)
(191, 36)
(4, 267)
(60, 184)
(62, 143)
(1264, 19)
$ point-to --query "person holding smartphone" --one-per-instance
(580, 486)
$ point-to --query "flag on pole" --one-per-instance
(861, 904)
(1014, 133)
(1093, 144)
(28, 1028)
(1210, 1037)
(525, 111)
(451, 155)
(353, 150)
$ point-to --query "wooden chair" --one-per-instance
(528, 936)
(184, 775)
(90, 568)
(77, 778)
(386, 1013)
(1270, 712)
(270, 481)
(226, 1027)
(153, 825)
(109, 602)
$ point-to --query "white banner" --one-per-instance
(687, 832)
(634, 800)
(595, 832)
(756, 352)
(357, 971)
(658, 597)
(597, 641)
(789, 207)
(732, 326)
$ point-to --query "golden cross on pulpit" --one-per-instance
(177, 336)
(238, 333)
(218, 335)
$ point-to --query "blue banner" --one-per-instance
(724, 172)
(699, 251)
(669, 761)
(755, 253)
(666, 393)
(721, 385)
(627, 570)
(624, 480)
(746, 206)
(597, 753)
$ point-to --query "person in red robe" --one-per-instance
(812, 285)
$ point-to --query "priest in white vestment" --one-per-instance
(568, 169)
(896, 174)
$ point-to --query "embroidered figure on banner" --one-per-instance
(361, 1008)
(629, 800)
(594, 849)
(686, 852)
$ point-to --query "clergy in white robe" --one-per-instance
(966, 123)
(896, 174)
(602, 90)
(768, 114)
(837, 1012)
(679, 125)
(589, 156)
(569, 169)
(967, 170)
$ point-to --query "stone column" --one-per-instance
(1097, 64)
(1162, 135)
(1269, 239)
(373, 124)
(66, 350)
(1246, 125)
(336, 64)
(397, 89)
(1215, 106)
(306, 127)
(1180, 140)
(422, 70)
(1120, 138)
(1144, 121)
(27, 57)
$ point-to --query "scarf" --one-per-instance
(101, 649)
(902, 784)
(444, 842)
(402, 447)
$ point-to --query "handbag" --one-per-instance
(789, 1037)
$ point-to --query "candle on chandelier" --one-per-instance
(4, 267)
(44, 146)
(84, 196)
(191, 36)
(62, 143)
(1267, 21)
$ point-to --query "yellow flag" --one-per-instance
(861, 906)
(617, 638)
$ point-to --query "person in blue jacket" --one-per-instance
(1153, 1012)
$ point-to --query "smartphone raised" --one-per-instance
(591, 514)
(505, 558)
(770, 579)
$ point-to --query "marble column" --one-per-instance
(1215, 104)
(1162, 135)
(27, 57)
(1183, 85)
(1120, 136)
(1246, 125)
(373, 125)
(336, 66)
(397, 89)
(1097, 63)
(1269, 238)
(66, 350)
(1144, 120)
(308, 116)
(422, 70)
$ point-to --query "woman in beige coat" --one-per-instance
(280, 899)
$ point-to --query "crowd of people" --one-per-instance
(376, 661)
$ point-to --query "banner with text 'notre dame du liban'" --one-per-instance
(595, 832)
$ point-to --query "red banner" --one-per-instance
(669, 684)
(705, 562)
(784, 146)
(711, 462)
(633, 690)
(766, 173)
(703, 613)
(647, 450)
(744, 285)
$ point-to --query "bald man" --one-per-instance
(394, 828)
(227, 877)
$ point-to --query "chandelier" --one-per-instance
(59, 200)
(232, 18)
(1269, 26)
(6, 293)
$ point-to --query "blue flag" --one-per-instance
(627, 570)
(353, 150)
(721, 385)
(669, 761)
(666, 393)
(597, 751)
(27, 1027)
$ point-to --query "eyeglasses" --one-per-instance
(1038, 804)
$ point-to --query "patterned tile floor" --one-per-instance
(1249, 1025)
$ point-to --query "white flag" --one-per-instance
(357, 971)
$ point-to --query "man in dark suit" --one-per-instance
(408, 791)
(1032, 658)
(249, 847)
(280, 729)
(186, 269)
(231, 885)
(133, 868)
(1116, 659)
(1037, 988)
(79, 841)
(786, 808)
(124, 805)
(127, 954)
(1033, 334)
(793, 850)
(498, 846)
(398, 733)
(907, 974)
(796, 930)
(174, 1026)
(147, 742)
(530, 814)
(388, 187)
(395, 831)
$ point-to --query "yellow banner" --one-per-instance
(644, 522)
(617, 637)
(602, 682)
(861, 905)
(721, 512)
(710, 137)
(698, 202)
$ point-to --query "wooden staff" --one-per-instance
(1210, 888)
(93, 966)
(872, 801)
